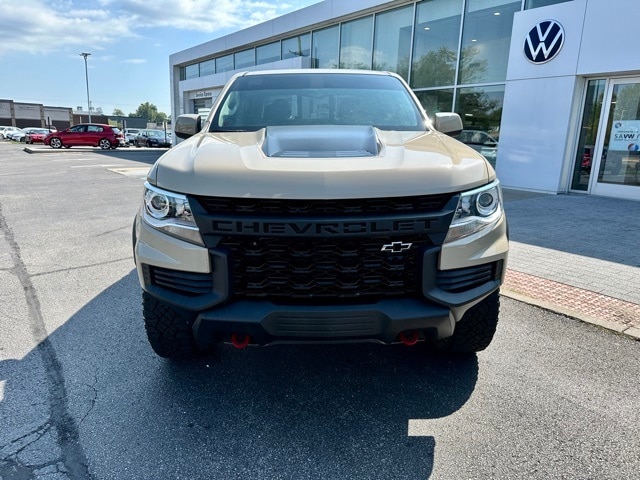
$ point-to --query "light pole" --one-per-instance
(86, 74)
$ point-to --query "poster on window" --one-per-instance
(625, 136)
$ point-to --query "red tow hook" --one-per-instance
(409, 338)
(240, 342)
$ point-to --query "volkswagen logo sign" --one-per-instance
(544, 41)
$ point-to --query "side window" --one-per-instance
(95, 128)
(78, 129)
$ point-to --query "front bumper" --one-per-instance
(180, 264)
(267, 323)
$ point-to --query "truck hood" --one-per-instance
(238, 164)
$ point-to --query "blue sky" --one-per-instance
(129, 40)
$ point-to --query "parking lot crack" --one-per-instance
(68, 440)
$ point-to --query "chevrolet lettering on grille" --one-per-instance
(396, 247)
(328, 228)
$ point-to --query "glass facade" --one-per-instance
(481, 111)
(224, 64)
(392, 41)
(486, 38)
(356, 50)
(453, 53)
(207, 68)
(299, 46)
(325, 47)
(268, 53)
(541, 3)
(435, 45)
(588, 131)
(245, 58)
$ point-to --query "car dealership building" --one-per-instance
(548, 90)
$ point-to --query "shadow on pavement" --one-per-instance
(275, 412)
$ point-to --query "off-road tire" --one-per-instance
(474, 332)
(169, 329)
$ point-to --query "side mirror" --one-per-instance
(188, 125)
(449, 123)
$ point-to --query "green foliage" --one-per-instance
(150, 112)
(117, 112)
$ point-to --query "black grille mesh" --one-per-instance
(295, 208)
(293, 268)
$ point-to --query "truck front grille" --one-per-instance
(342, 268)
(290, 208)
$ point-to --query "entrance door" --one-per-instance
(616, 168)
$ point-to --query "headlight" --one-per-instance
(170, 213)
(477, 209)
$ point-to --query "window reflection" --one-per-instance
(392, 42)
(620, 162)
(299, 46)
(192, 71)
(268, 53)
(434, 101)
(481, 110)
(326, 48)
(588, 132)
(207, 68)
(486, 39)
(246, 58)
(436, 39)
(224, 64)
(355, 44)
(542, 3)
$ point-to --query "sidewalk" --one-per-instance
(577, 255)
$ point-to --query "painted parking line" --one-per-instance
(131, 171)
(97, 165)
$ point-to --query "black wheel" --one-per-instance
(104, 144)
(55, 142)
(149, 144)
(474, 332)
(169, 329)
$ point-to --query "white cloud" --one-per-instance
(40, 26)
(135, 60)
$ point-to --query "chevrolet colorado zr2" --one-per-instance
(319, 206)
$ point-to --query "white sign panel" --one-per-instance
(625, 136)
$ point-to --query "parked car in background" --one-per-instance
(36, 135)
(88, 135)
(152, 138)
(481, 142)
(130, 134)
(18, 135)
(10, 134)
(5, 131)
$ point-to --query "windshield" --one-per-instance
(257, 101)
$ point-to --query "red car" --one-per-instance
(36, 135)
(88, 135)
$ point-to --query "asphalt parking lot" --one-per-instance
(83, 396)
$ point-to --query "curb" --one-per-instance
(631, 332)
(89, 149)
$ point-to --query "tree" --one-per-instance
(150, 112)
(117, 112)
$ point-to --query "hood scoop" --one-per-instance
(321, 141)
